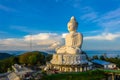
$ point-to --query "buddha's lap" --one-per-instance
(68, 50)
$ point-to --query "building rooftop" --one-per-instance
(101, 62)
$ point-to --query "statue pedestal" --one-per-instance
(69, 59)
(70, 62)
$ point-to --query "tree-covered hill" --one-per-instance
(33, 58)
(4, 55)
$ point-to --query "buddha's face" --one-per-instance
(71, 27)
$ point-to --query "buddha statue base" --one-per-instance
(69, 63)
(69, 59)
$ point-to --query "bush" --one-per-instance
(89, 75)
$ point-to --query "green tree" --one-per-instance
(6, 63)
(32, 58)
(95, 57)
(102, 57)
(48, 57)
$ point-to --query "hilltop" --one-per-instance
(4, 56)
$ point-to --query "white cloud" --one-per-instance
(92, 32)
(103, 36)
(39, 41)
(48, 41)
(13, 42)
(40, 36)
(111, 24)
(89, 16)
(114, 14)
(109, 21)
(43, 38)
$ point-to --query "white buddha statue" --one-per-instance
(73, 40)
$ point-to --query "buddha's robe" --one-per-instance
(73, 43)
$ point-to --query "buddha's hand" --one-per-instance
(63, 47)
(57, 48)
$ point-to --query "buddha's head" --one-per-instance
(72, 24)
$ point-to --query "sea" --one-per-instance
(90, 53)
(107, 53)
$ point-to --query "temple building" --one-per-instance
(70, 57)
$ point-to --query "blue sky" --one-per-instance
(46, 20)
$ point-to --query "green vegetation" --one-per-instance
(28, 58)
(115, 60)
(7, 63)
(95, 57)
(6, 60)
(89, 75)
(110, 71)
(4, 55)
(48, 57)
(32, 58)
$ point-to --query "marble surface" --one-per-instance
(69, 59)
(73, 40)
(70, 53)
